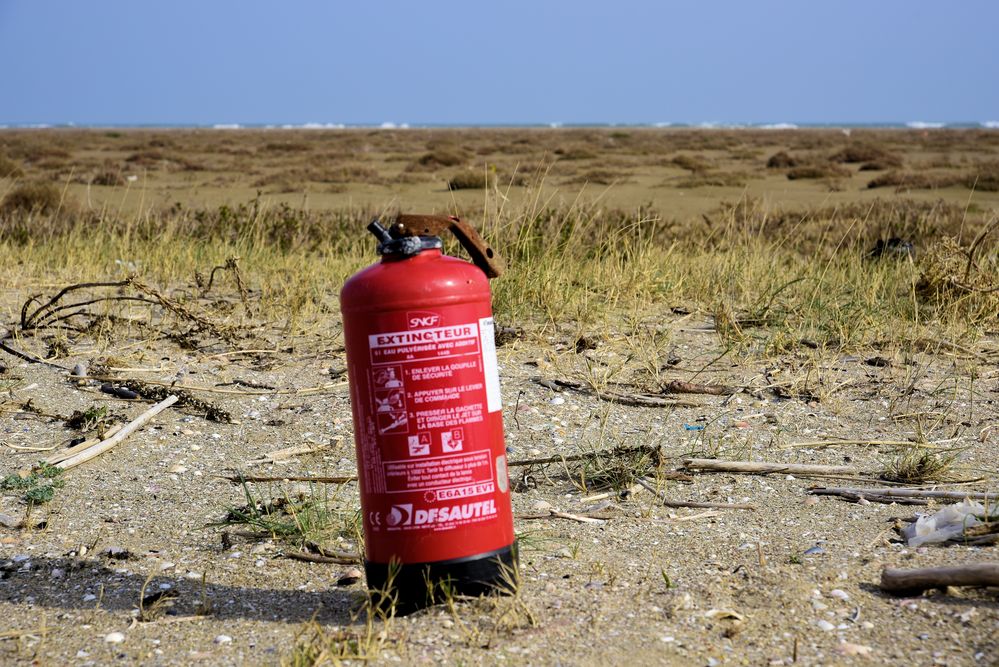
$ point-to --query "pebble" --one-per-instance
(839, 594)
(79, 370)
(195, 448)
(114, 638)
(541, 506)
(811, 500)
(7, 521)
(187, 431)
(178, 469)
(556, 400)
(89, 597)
(166, 566)
(826, 625)
(814, 551)
(867, 625)
(58, 573)
(349, 577)
(846, 648)
(223, 639)
(193, 576)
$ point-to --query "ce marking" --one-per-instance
(375, 519)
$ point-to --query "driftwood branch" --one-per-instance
(344, 559)
(239, 479)
(680, 387)
(911, 582)
(118, 437)
(621, 398)
(70, 452)
(752, 467)
(677, 503)
(556, 514)
(902, 493)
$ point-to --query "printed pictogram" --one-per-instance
(453, 440)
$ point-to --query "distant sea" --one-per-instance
(915, 124)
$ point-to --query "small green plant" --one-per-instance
(38, 487)
(315, 645)
(795, 559)
(305, 518)
(88, 419)
(666, 578)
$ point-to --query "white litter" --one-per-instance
(948, 523)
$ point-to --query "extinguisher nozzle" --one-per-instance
(380, 232)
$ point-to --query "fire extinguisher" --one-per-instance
(428, 426)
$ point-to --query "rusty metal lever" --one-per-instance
(483, 256)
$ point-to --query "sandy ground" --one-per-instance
(648, 585)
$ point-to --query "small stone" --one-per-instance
(811, 501)
(166, 566)
(349, 577)
(814, 551)
(557, 400)
(819, 606)
(541, 506)
(867, 625)
(187, 431)
(89, 597)
(223, 639)
(564, 552)
(79, 370)
(114, 638)
(58, 573)
(839, 594)
(177, 469)
(194, 576)
(7, 521)
(846, 648)
(826, 626)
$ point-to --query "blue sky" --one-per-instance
(511, 61)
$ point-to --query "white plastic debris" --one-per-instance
(946, 524)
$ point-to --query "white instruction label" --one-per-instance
(487, 335)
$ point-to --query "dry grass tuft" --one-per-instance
(856, 153)
(817, 170)
(782, 160)
(36, 197)
(918, 466)
(692, 163)
(9, 168)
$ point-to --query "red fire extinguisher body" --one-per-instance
(428, 423)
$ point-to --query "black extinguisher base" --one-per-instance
(413, 586)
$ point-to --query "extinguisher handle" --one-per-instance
(483, 256)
